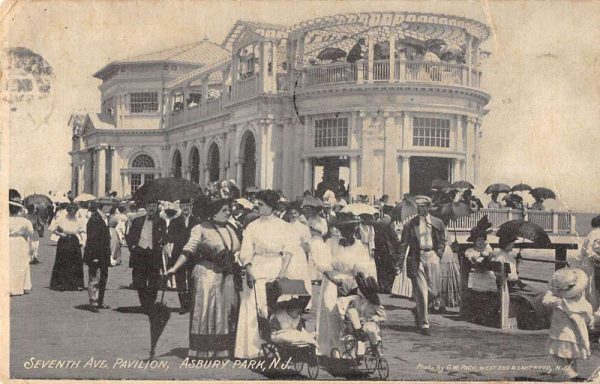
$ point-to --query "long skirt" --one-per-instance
(298, 269)
(67, 274)
(213, 309)
(329, 321)
(450, 290)
(402, 284)
(115, 248)
(248, 340)
(318, 249)
(20, 276)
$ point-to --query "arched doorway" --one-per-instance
(143, 173)
(213, 163)
(177, 164)
(249, 161)
(195, 165)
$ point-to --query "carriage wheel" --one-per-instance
(298, 365)
(383, 370)
(370, 363)
(313, 366)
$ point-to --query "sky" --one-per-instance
(543, 122)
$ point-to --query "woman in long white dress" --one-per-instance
(265, 253)
(347, 256)
(20, 231)
(300, 237)
(318, 228)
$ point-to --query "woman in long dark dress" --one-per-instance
(211, 249)
(67, 274)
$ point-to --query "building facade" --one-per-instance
(386, 101)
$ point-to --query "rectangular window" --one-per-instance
(143, 102)
(431, 132)
(194, 99)
(178, 102)
(331, 132)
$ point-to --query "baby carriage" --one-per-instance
(282, 343)
(362, 346)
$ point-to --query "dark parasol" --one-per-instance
(331, 53)
(158, 315)
(13, 194)
(520, 188)
(542, 193)
(462, 184)
(524, 229)
(452, 211)
(497, 188)
(403, 210)
(37, 199)
(166, 189)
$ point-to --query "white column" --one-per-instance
(405, 175)
(307, 174)
(353, 182)
(407, 131)
(469, 59)
(456, 170)
(370, 57)
(389, 161)
(101, 174)
(116, 172)
(264, 84)
(81, 177)
(287, 158)
(74, 175)
(392, 42)
(273, 66)
(125, 184)
(470, 152)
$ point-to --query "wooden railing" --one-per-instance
(330, 74)
(381, 70)
(247, 88)
(552, 221)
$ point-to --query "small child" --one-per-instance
(364, 311)
(288, 327)
(571, 316)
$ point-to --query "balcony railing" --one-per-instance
(247, 88)
(552, 221)
(404, 71)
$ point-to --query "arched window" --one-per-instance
(195, 165)
(142, 161)
(138, 179)
(177, 164)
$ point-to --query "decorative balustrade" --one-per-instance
(552, 221)
(247, 88)
(404, 71)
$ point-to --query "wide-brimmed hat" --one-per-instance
(342, 219)
(568, 282)
(482, 229)
(310, 201)
(368, 287)
(423, 200)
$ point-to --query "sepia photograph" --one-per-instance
(300, 190)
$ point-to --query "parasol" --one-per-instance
(355, 53)
(37, 199)
(167, 188)
(331, 53)
(542, 193)
(403, 210)
(521, 187)
(360, 209)
(158, 315)
(452, 211)
(462, 184)
(497, 188)
(526, 230)
(84, 197)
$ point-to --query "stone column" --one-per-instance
(116, 171)
(353, 182)
(392, 43)
(81, 177)
(267, 155)
(405, 175)
(101, 173)
(307, 174)
(287, 158)
(264, 84)
(370, 57)
(390, 174)
(74, 175)
(273, 66)
(470, 150)
(456, 167)
(407, 132)
(125, 184)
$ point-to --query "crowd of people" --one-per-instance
(219, 250)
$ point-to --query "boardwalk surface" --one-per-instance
(48, 325)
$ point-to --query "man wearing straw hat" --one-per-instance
(424, 237)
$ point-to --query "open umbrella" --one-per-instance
(497, 188)
(355, 53)
(360, 209)
(403, 210)
(37, 199)
(158, 315)
(84, 197)
(520, 188)
(526, 230)
(13, 194)
(462, 184)
(452, 211)
(543, 193)
(331, 53)
(167, 188)
(440, 184)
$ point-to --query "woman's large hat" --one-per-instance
(342, 219)
(310, 201)
(568, 282)
(368, 287)
(482, 229)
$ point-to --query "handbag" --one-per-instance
(225, 259)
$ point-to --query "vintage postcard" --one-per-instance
(300, 190)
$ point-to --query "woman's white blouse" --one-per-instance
(266, 236)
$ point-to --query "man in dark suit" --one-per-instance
(425, 238)
(96, 254)
(145, 240)
(179, 231)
